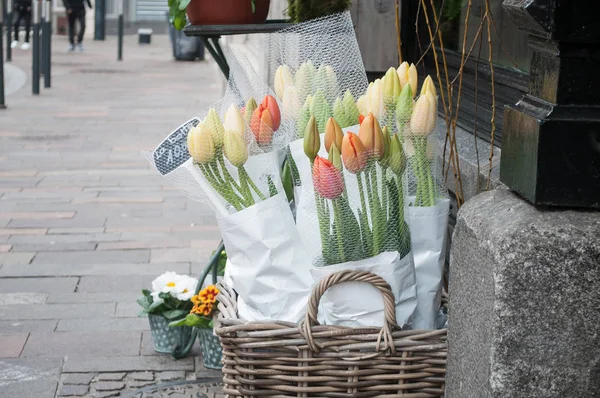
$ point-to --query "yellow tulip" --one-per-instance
(333, 135)
(408, 75)
(251, 106)
(428, 87)
(201, 145)
(422, 121)
(283, 80)
(233, 120)
(235, 140)
(391, 84)
(214, 125)
(375, 99)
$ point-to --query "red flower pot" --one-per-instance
(226, 12)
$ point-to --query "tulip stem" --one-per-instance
(402, 230)
(375, 208)
(367, 230)
(226, 173)
(252, 184)
(245, 188)
(338, 229)
(221, 189)
(323, 227)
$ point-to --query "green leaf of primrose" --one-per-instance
(144, 302)
(174, 314)
(183, 4)
(181, 322)
(146, 293)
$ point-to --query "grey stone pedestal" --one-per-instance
(524, 301)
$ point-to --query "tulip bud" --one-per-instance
(386, 142)
(333, 134)
(391, 84)
(339, 113)
(271, 104)
(291, 103)
(304, 80)
(371, 136)
(283, 80)
(233, 120)
(428, 87)
(376, 99)
(408, 75)
(321, 110)
(350, 108)
(212, 122)
(409, 148)
(200, 144)
(235, 148)
(424, 116)
(327, 179)
(312, 141)
(354, 154)
(249, 110)
(262, 125)
(304, 116)
(361, 104)
(404, 107)
(397, 159)
(335, 157)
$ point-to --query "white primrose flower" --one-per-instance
(186, 288)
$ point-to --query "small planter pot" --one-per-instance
(212, 352)
(226, 12)
(167, 338)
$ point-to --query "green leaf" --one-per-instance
(272, 187)
(179, 21)
(286, 179)
(146, 293)
(154, 306)
(183, 4)
(144, 302)
(253, 5)
(350, 227)
(174, 314)
(181, 322)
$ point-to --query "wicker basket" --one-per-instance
(281, 359)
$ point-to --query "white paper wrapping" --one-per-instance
(357, 304)
(267, 266)
(428, 230)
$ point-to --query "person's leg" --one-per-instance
(27, 17)
(81, 17)
(19, 13)
(72, 17)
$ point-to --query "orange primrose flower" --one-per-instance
(209, 295)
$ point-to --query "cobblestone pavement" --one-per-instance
(85, 224)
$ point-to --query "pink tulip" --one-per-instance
(327, 179)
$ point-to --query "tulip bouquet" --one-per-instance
(413, 122)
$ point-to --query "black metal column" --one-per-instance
(120, 33)
(35, 49)
(47, 70)
(551, 137)
(43, 33)
(2, 13)
(9, 14)
(100, 20)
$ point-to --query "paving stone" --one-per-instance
(81, 297)
(171, 376)
(125, 283)
(22, 298)
(85, 222)
(141, 244)
(54, 311)
(179, 255)
(101, 325)
(11, 345)
(5, 248)
(82, 344)
(17, 326)
(43, 285)
(78, 269)
(42, 247)
(29, 378)
(80, 230)
(59, 237)
(73, 390)
(101, 257)
(124, 363)
(37, 215)
(139, 384)
(108, 394)
(142, 376)
(16, 258)
(23, 231)
(78, 378)
(111, 376)
(108, 386)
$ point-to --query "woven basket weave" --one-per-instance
(282, 359)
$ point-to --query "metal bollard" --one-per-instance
(121, 27)
(2, 104)
(42, 38)
(35, 53)
(48, 53)
(9, 18)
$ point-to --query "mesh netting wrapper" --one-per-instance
(393, 99)
(229, 158)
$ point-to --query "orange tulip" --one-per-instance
(261, 125)
(271, 104)
(333, 134)
(371, 136)
(360, 119)
(354, 154)
(327, 179)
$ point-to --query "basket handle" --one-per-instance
(389, 304)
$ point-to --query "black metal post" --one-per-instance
(100, 20)
(120, 39)
(42, 37)
(551, 137)
(9, 15)
(48, 53)
(35, 49)
(2, 11)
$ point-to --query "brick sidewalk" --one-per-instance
(85, 223)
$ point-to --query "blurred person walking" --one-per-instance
(22, 8)
(76, 12)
